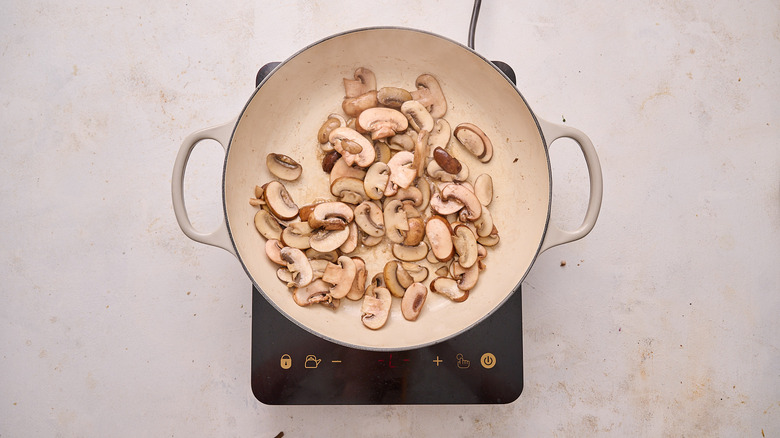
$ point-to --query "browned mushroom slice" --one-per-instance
(363, 81)
(328, 240)
(353, 147)
(298, 265)
(442, 207)
(329, 160)
(413, 300)
(315, 292)
(490, 240)
(383, 152)
(283, 167)
(484, 224)
(475, 141)
(349, 190)
(342, 169)
(328, 256)
(419, 118)
(279, 201)
(410, 253)
(449, 288)
(382, 122)
(466, 197)
(420, 152)
(393, 97)
(297, 235)
(267, 225)
(273, 248)
(376, 179)
(465, 243)
(332, 215)
(370, 219)
(340, 275)
(395, 220)
(402, 142)
(376, 308)
(351, 244)
(483, 188)
(429, 94)
(465, 277)
(353, 106)
(332, 122)
(447, 162)
(359, 284)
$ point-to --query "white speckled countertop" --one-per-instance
(663, 322)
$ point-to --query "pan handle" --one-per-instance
(219, 237)
(556, 236)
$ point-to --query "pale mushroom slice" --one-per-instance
(318, 291)
(283, 167)
(393, 97)
(449, 288)
(318, 266)
(273, 248)
(328, 240)
(383, 152)
(279, 201)
(351, 244)
(409, 194)
(410, 253)
(353, 147)
(440, 135)
(417, 272)
(353, 106)
(370, 219)
(462, 194)
(435, 171)
(376, 179)
(375, 309)
(402, 142)
(363, 81)
(340, 275)
(349, 190)
(439, 235)
(465, 277)
(267, 225)
(298, 265)
(475, 141)
(413, 300)
(430, 95)
(484, 224)
(297, 235)
(483, 188)
(328, 256)
(444, 207)
(382, 122)
(491, 239)
(333, 215)
(465, 243)
(395, 221)
(402, 172)
(419, 118)
(358, 288)
(341, 169)
(370, 241)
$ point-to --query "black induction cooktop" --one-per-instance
(291, 366)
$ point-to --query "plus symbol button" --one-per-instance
(438, 361)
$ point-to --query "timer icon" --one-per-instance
(488, 360)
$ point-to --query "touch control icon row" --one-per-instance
(487, 360)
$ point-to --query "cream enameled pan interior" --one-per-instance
(284, 116)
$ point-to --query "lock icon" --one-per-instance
(286, 362)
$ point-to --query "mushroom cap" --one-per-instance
(413, 300)
(446, 161)
(283, 167)
(279, 201)
(382, 122)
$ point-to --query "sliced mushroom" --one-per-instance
(465, 243)
(402, 172)
(396, 223)
(370, 218)
(332, 215)
(318, 266)
(267, 225)
(429, 94)
(363, 81)
(416, 231)
(315, 292)
(382, 122)
(402, 142)
(442, 271)
(475, 141)
(420, 152)
(444, 207)
(483, 188)
(285, 277)
(352, 241)
(376, 308)
(369, 241)
(410, 253)
(465, 277)
(328, 256)
(279, 201)
(353, 106)
(439, 235)
(353, 147)
(446, 161)
(484, 224)
(349, 190)
(382, 151)
(333, 121)
(273, 248)
(393, 97)
(424, 186)
(257, 201)
(376, 179)
(298, 265)
(409, 194)
(296, 235)
(449, 288)
(340, 275)
(413, 300)
(329, 160)
(440, 135)
(390, 274)
(283, 167)
(466, 197)
(328, 240)
(490, 240)
(417, 272)
(342, 169)
(419, 117)
(437, 172)
(359, 284)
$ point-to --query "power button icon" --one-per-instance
(488, 360)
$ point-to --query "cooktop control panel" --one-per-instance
(291, 366)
